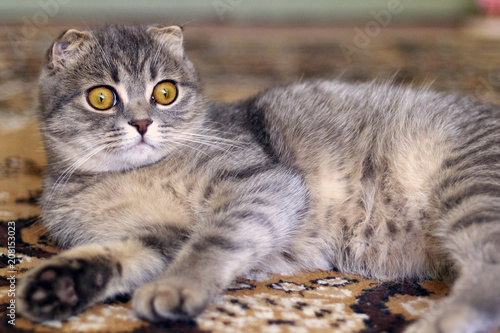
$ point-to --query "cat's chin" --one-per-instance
(134, 157)
(139, 155)
(141, 148)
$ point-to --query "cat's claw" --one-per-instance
(169, 299)
(60, 288)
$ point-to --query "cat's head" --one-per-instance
(117, 98)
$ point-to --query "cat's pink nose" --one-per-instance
(141, 125)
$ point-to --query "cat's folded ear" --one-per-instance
(67, 47)
(171, 37)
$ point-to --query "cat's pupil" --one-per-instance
(101, 97)
(164, 92)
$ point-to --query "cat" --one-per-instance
(156, 192)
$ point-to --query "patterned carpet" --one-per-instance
(234, 63)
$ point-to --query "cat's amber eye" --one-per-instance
(102, 98)
(164, 93)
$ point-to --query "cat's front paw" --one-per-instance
(60, 288)
(170, 299)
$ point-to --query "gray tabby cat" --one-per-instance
(161, 194)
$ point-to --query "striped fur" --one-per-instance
(387, 182)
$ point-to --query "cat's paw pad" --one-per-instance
(58, 289)
(169, 300)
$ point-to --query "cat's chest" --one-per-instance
(133, 200)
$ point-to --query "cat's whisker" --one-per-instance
(181, 144)
(63, 179)
(204, 136)
(157, 53)
(211, 143)
(91, 142)
(81, 162)
(189, 22)
(66, 175)
(216, 138)
(207, 139)
(216, 123)
(198, 142)
(204, 130)
(201, 128)
(104, 55)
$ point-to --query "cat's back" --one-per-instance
(307, 119)
(340, 111)
(374, 159)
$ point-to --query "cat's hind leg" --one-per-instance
(473, 241)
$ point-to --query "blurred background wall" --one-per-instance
(234, 11)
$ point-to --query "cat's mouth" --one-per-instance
(143, 145)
